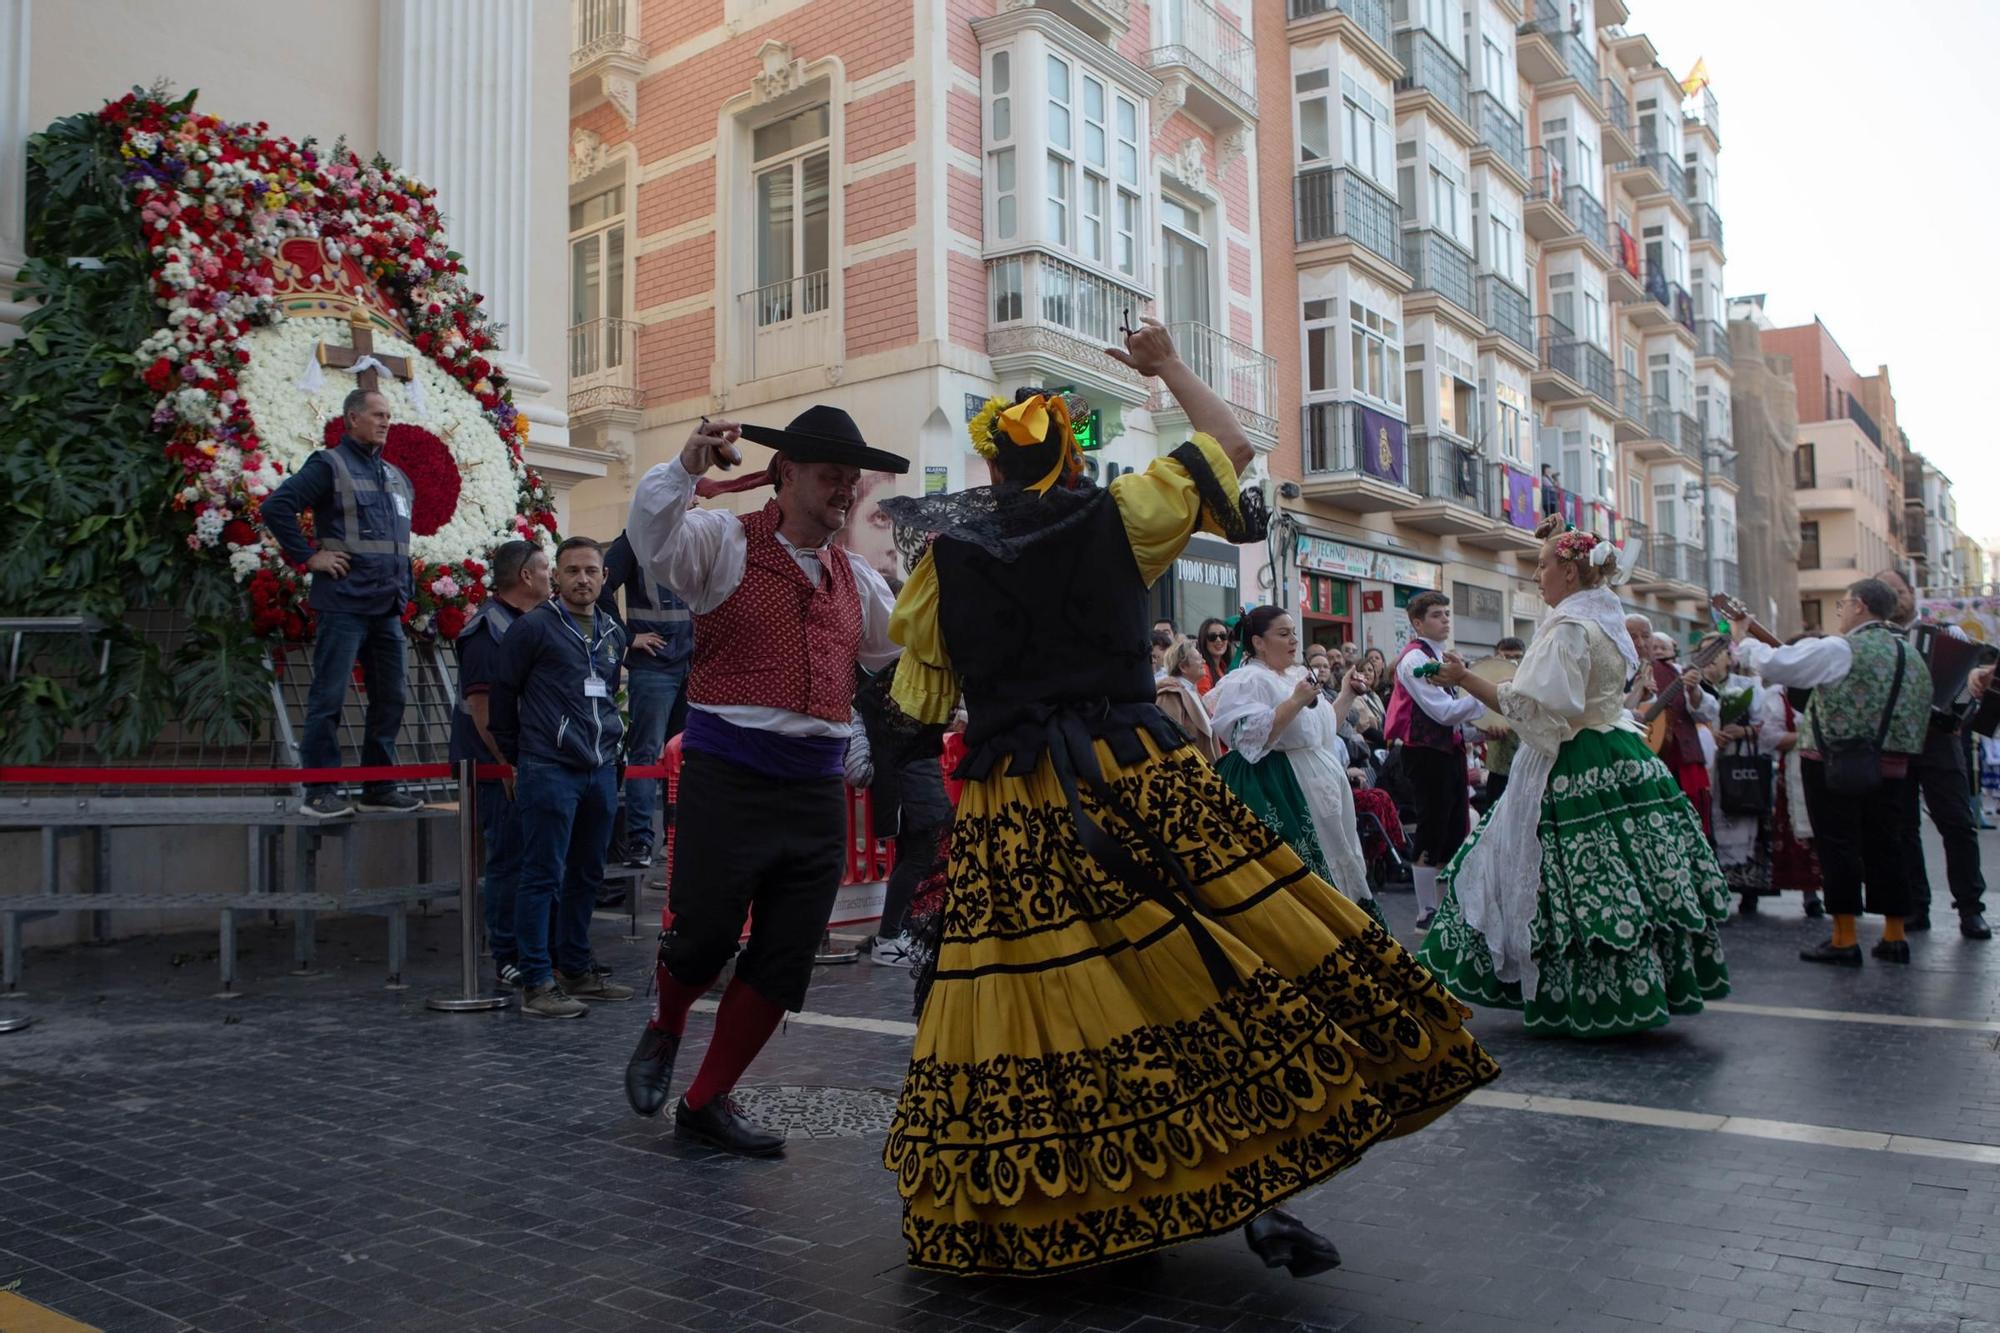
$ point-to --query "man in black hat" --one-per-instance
(781, 620)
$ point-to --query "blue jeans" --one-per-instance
(341, 639)
(651, 693)
(560, 811)
(500, 827)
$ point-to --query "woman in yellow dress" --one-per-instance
(1146, 1021)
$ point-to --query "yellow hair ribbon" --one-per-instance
(1027, 422)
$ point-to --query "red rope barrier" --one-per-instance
(261, 777)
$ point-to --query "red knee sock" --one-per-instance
(670, 1014)
(743, 1024)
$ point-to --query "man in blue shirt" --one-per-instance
(554, 710)
(661, 631)
(520, 584)
(361, 580)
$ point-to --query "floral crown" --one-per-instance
(1575, 544)
(1027, 423)
(1589, 548)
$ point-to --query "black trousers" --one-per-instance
(1860, 844)
(748, 845)
(925, 812)
(1437, 786)
(1943, 776)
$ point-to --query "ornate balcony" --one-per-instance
(1244, 376)
(1655, 312)
(1599, 377)
(1429, 67)
(1588, 214)
(1499, 134)
(606, 57)
(1630, 423)
(1049, 321)
(603, 369)
(1206, 66)
(1511, 506)
(1504, 308)
(1558, 376)
(1333, 204)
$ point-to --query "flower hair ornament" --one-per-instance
(1029, 423)
(1601, 554)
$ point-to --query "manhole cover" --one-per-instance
(818, 1113)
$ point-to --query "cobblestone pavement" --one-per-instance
(325, 1154)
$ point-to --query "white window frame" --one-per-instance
(1375, 343)
(1003, 202)
(1366, 117)
(812, 299)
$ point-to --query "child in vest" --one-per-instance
(1425, 717)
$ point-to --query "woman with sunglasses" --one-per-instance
(1213, 641)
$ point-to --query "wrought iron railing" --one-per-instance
(1712, 339)
(1244, 376)
(1617, 110)
(1707, 222)
(1446, 469)
(1338, 202)
(1439, 264)
(1673, 176)
(1631, 398)
(1505, 309)
(1859, 416)
(1371, 16)
(1588, 214)
(1193, 34)
(1330, 446)
(785, 325)
(603, 364)
(1500, 130)
(1036, 290)
(1657, 286)
(1429, 65)
(1552, 20)
(1545, 178)
(1623, 248)
(1682, 306)
(1598, 375)
(1706, 114)
(1557, 348)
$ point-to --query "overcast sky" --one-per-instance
(1853, 134)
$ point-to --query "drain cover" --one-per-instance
(818, 1113)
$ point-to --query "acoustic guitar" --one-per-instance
(1655, 720)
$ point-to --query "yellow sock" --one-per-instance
(1892, 929)
(1843, 930)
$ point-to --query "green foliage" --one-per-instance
(86, 524)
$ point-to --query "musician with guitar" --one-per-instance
(1941, 774)
(1679, 706)
(1867, 719)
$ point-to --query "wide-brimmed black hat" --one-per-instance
(822, 434)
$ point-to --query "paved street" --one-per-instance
(324, 1154)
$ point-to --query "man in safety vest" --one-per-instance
(360, 567)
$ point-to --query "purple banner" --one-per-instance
(1379, 439)
(1521, 500)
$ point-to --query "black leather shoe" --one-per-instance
(719, 1125)
(1282, 1241)
(1973, 926)
(1815, 909)
(650, 1070)
(1748, 906)
(1892, 951)
(1916, 923)
(1827, 953)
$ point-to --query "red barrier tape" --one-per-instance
(263, 777)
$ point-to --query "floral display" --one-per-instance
(225, 209)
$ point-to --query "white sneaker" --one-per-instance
(891, 951)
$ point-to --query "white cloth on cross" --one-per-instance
(313, 379)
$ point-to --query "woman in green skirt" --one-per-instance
(1286, 759)
(1588, 897)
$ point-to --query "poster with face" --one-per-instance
(868, 532)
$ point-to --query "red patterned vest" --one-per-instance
(780, 640)
(1412, 725)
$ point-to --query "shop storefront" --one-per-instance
(1351, 592)
(1206, 580)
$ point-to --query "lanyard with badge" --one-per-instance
(594, 685)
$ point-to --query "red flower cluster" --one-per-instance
(215, 200)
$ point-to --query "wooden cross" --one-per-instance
(363, 338)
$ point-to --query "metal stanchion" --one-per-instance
(472, 998)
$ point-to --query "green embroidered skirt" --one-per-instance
(1631, 901)
(1270, 787)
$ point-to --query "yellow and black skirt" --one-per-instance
(1102, 1070)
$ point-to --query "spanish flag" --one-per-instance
(1697, 78)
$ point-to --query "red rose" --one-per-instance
(238, 533)
(159, 375)
(480, 367)
(450, 620)
(547, 519)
